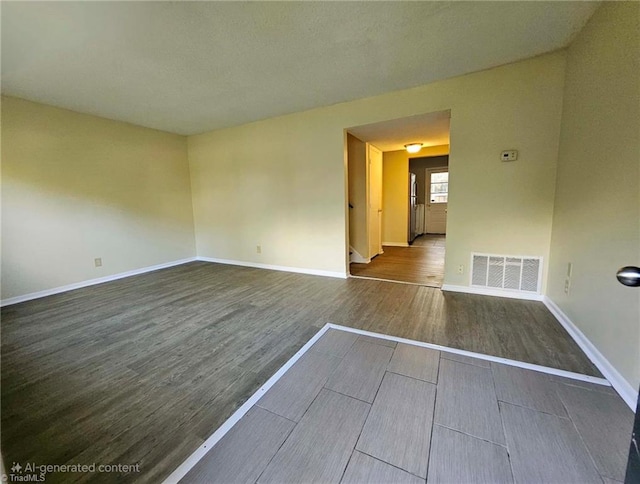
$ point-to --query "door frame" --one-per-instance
(347, 204)
(378, 240)
(427, 189)
(345, 159)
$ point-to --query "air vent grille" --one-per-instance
(515, 273)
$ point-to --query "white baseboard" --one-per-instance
(91, 282)
(488, 291)
(396, 244)
(369, 278)
(121, 275)
(259, 265)
(358, 258)
(622, 386)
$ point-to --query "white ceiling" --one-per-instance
(189, 67)
(430, 129)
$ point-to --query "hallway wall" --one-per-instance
(395, 196)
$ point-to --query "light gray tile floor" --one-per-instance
(466, 359)
(364, 468)
(398, 428)
(361, 371)
(527, 388)
(467, 401)
(293, 393)
(600, 418)
(545, 448)
(377, 341)
(356, 410)
(415, 362)
(458, 457)
(320, 446)
(245, 451)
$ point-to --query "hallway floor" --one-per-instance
(421, 263)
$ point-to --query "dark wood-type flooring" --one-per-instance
(144, 369)
(421, 263)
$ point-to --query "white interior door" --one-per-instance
(437, 197)
(375, 200)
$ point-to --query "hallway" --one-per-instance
(421, 263)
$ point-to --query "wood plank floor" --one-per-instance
(421, 263)
(143, 369)
(400, 435)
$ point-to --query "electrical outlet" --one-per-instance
(460, 269)
(98, 261)
(509, 155)
(258, 249)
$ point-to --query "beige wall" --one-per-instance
(76, 187)
(278, 183)
(395, 197)
(357, 161)
(281, 182)
(597, 207)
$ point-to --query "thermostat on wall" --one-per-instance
(509, 155)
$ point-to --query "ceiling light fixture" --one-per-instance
(413, 147)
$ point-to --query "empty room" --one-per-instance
(186, 190)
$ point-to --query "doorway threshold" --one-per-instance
(423, 284)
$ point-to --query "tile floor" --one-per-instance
(357, 409)
(429, 240)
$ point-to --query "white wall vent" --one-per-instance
(509, 272)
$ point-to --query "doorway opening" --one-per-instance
(395, 231)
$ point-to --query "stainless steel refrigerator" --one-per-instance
(413, 190)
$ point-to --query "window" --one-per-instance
(439, 189)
